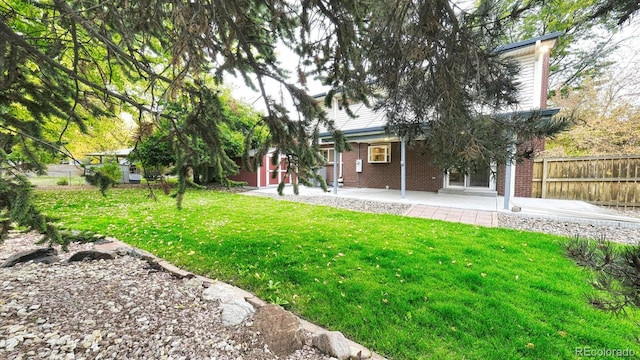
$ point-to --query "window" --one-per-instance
(327, 155)
(380, 153)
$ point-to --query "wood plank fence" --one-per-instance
(602, 180)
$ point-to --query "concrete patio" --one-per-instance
(479, 210)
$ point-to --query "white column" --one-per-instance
(280, 170)
(334, 107)
(403, 168)
(335, 168)
(509, 177)
(259, 169)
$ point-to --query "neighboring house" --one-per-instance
(130, 173)
(375, 158)
(266, 175)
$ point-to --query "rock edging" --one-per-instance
(284, 333)
(239, 305)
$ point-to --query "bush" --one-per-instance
(63, 182)
(105, 176)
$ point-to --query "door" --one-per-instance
(455, 178)
(480, 179)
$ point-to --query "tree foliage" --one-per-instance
(230, 121)
(101, 134)
(607, 119)
(17, 208)
(616, 272)
(587, 27)
(105, 176)
(618, 10)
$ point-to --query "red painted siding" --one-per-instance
(243, 175)
(265, 174)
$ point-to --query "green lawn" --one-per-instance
(44, 180)
(407, 288)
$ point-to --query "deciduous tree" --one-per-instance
(606, 115)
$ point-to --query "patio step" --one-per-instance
(465, 216)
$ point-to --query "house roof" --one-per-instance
(366, 118)
(528, 42)
(499, 49)
(375, 132)
(370, 125)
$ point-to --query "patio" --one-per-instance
(479, 210)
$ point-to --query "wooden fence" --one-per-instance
(603, 180)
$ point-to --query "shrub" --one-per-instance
(63, 182)
(105, 176)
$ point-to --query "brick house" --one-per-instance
(375, 160)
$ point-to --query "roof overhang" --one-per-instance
(529, 43)
(377, 134)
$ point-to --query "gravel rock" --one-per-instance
(333, 343)
(378, 207)
(89, 255)
(616, 232)
(282, 329)
(236, 312)
(115, 309)
(43, 255)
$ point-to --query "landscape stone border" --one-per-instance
(283, 331)
(235, 300)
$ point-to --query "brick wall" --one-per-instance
(421, 175)
(500, 179)
(524, 173)
(523, 185)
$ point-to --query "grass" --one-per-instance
(75, 180)
(407, 288)
(78, 180)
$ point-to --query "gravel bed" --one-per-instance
(612, 232)
(621, 233)
(115, 309)
(377, 207)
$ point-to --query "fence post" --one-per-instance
(543, 195)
